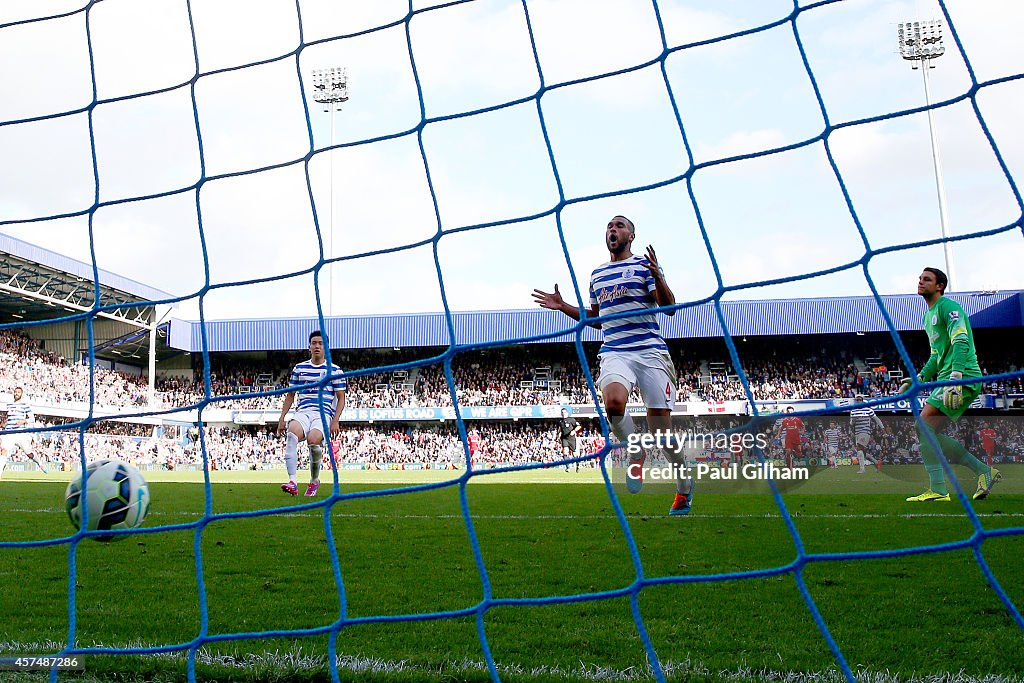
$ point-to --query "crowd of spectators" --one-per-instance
(497, 377)
(898, 442)
(405, 446)
(49, 378)
(365, 446)
(772, 379)
(496, 382)
(224, 390)
(534, 375)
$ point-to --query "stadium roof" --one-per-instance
(752, 318)
(39, 284)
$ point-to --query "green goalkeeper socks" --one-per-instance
(955, 451)
(936, 479)
(936, 476)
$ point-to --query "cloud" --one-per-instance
(723, 98)
(490, 167)
(229, 33)
(367, 215)
(578, 38)
(1000, 260)
(491, 61)
(744, 142)
(981, 27)
(46, 168)
(765, 217)
(46, 80)
(328, 18)
(146, 145)
(155, 53)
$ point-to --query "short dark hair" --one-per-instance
(632, 228)
(940, 277)
(22, 389)
(315, 333)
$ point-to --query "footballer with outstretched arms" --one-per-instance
(633, 353)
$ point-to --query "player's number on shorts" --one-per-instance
(668, 388)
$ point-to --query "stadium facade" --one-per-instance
(783, 317)
(52, 294)
(65, 303)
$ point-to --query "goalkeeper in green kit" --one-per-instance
(953, 357)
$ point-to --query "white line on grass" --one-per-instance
(296, 660)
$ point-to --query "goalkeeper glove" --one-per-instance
(953, 397)
(907, 383)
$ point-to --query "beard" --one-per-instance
(617, 248)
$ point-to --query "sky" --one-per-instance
(769, 217)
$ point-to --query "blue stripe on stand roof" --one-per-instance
(772, 317)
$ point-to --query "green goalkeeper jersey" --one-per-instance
(952, 341)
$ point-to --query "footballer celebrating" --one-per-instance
(633, 353)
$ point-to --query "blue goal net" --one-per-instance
(827, 132)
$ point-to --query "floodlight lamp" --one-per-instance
(920, 40)
(331, 86)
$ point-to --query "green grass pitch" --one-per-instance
(542, 534)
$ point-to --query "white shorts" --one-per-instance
(310, 421)
(833, 450)
(12, 441)
(652, 371)
(863, 439)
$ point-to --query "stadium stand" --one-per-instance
(398, 424)
(416, 445)
(777, 371)
(501, 379)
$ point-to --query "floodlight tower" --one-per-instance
(920, 43)
(330, 88)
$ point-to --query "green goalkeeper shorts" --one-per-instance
(971, 392)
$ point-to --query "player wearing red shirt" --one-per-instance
(988, 441)
(474, 442)
(791, 428)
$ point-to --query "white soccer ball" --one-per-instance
(117, 496)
